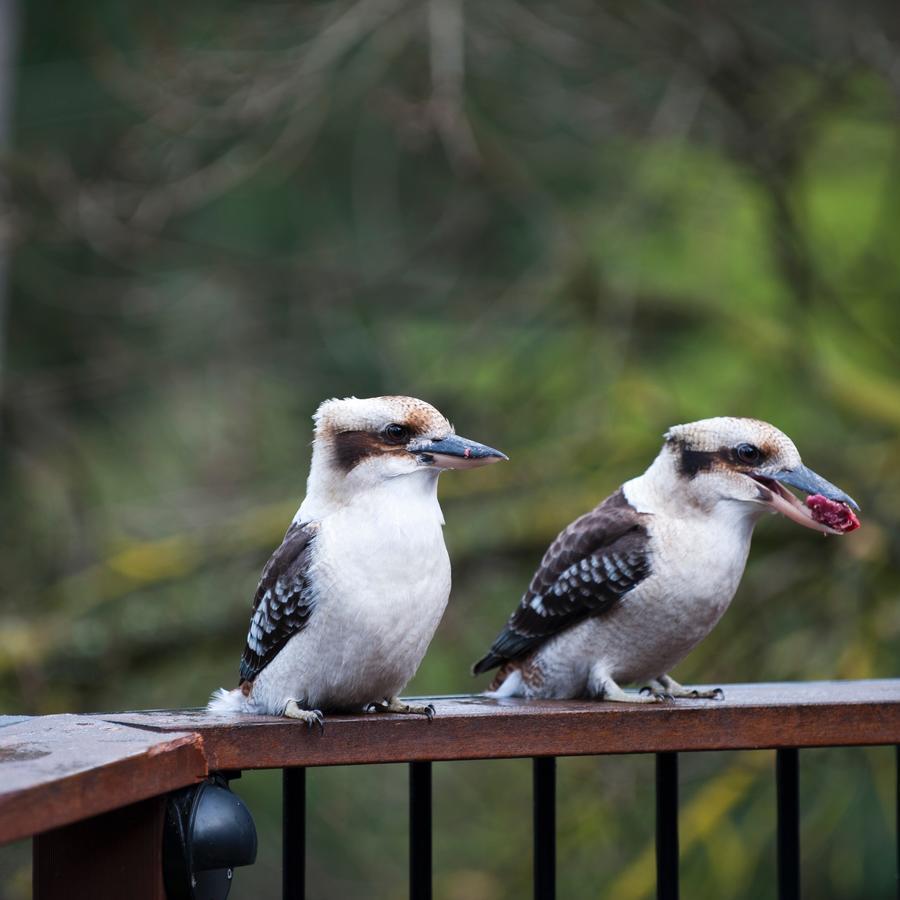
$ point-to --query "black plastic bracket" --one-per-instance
(208, 833)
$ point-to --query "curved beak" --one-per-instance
(454, 452)
(839, 521)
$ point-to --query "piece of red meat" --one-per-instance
(835, 515)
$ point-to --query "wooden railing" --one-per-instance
(79, 782)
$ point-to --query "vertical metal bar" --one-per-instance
(787, 781)
(667, 826)
(898, 821)
(544, 798)
(420, 831)
(293, 848)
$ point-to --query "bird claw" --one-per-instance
(714, 694)
(659, 696)
(427, 710)
(395, 706)
(311, 717)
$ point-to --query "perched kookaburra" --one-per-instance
(349, 602)
(629, 589)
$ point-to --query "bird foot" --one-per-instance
(711, 694)
(611, 692)
(602, 687)
(660, 696)
(396, 705)
(639, 697)
(310, 716)
(667, 688)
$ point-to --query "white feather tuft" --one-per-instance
(511, 687)
(223, 702)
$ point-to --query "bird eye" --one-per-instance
(396, 434)
(747, 453)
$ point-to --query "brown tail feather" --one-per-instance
(502, 674)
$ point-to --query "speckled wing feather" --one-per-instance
(591, 564)
(283, 601)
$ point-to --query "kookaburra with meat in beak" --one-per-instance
(349, 602)
(629, 589)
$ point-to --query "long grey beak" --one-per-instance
(455, 452)
(811, 483)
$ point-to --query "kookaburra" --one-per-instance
(349, 602)
(629, 589)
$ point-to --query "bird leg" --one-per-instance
(602, 687)
(396, 705)
(667, 688)
(310, 716)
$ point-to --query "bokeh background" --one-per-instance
(567, 224)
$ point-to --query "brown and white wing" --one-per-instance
(284, 600)
(594, 562)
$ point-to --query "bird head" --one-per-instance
(362, 442)
(749, 462)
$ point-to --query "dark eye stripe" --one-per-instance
(692, 462)
(352, 447)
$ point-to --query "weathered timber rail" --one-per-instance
(76, 782)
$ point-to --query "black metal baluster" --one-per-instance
(787, 781)
(898, 820)
(420, 831)
(293, 848)
(667, 826)
(544, 798)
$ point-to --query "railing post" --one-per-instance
(544, 800)
(787, 781)
(667, 826)
(293, 846)
(420, 831)
(116, 854)
(897, 803)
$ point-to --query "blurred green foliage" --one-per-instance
(568, 225)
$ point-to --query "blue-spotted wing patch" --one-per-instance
(283, 602)
(591, 564)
